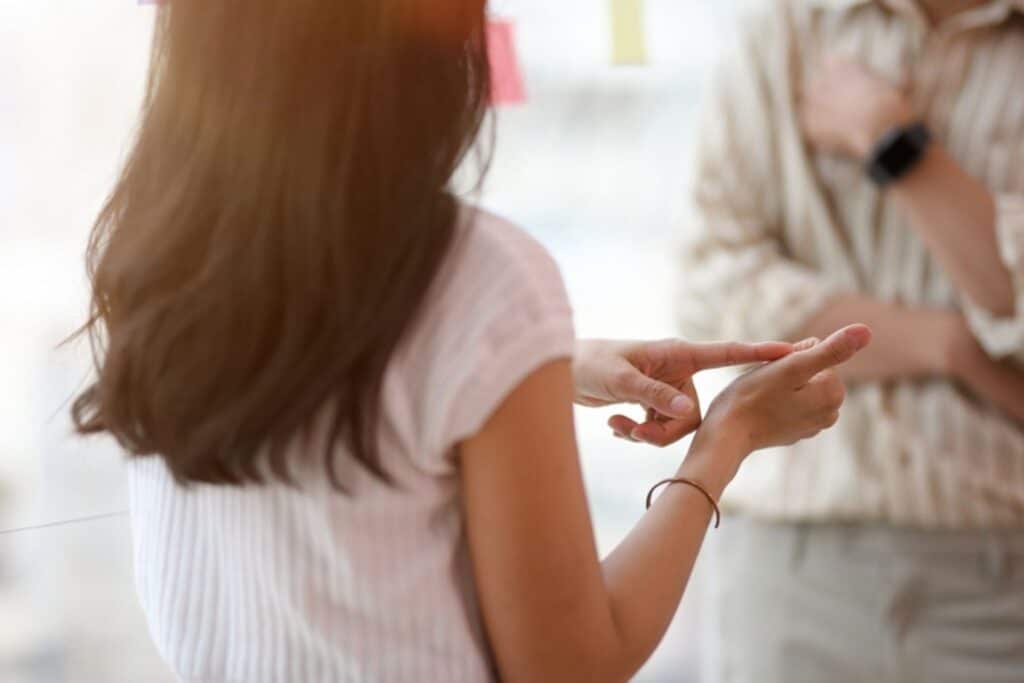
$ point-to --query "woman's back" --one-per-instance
(275, 583)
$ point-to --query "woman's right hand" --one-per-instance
(788, 400)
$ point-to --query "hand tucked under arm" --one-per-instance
(998, 383)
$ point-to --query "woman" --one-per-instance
(357, 389)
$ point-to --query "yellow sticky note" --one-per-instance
(628, 38)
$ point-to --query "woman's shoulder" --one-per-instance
(493, 241)
(495, 270)
(497, 310)
(493, 258)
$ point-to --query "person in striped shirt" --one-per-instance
(864, 160)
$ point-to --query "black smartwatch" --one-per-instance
(897, 152)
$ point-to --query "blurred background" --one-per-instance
(595, 163)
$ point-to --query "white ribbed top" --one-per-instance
(273, 584)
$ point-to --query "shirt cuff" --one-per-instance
(1003, 336)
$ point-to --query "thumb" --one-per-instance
(664, 398)
(840, 347)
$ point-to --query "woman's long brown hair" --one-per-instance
(281, 215)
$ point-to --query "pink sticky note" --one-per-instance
(506, 78)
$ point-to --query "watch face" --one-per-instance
(898, 152)
(899, 155)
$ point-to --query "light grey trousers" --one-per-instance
(787, 603)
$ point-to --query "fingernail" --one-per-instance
(680, 404)
(859, 335)
(637, 436)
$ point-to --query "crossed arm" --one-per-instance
(915, 343)
(845, 109)
(748, 287)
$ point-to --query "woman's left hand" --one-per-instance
(659, 376)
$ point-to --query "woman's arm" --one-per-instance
(552, 610)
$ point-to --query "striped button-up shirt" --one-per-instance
(782, 229)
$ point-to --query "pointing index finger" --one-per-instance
(723, 354)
